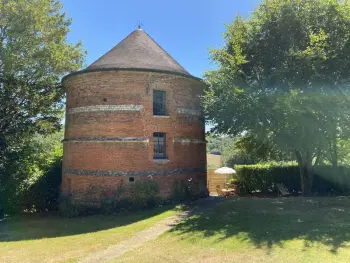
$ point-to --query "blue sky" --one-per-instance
(186, 29)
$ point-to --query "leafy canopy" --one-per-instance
(34, 55)
(284, 76)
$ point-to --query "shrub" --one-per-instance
(73, 208)
(43, 195)
(263, 177)
(141, 194)
(66, 208)
(124, 204)
(332, 179)
(188, 190)
(109, 200)
(30, 173)
(144, 193)
(2, 212)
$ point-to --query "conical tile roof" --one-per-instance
(138, 51)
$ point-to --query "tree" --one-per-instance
(216, 144)
(25, 171)
(34, 55)
(247, 149)
(233, 155)
(338, 153)
(284, 76)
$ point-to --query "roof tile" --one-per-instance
(138, 50)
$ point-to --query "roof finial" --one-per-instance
(139, 24)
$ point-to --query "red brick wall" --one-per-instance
(130, 87)
(90, 187)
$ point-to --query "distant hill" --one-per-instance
(216, 144)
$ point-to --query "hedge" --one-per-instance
(41, 196)
(263, 177)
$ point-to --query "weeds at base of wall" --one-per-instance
(76, 208)
(188, 190)
(69, 207)
(141, 195)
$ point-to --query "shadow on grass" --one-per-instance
(30, 227)
(271, 221)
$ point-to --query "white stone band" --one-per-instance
(130, 107)
(119, 139)
(187, 140)
(189, 111)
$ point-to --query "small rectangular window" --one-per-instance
(159, 145)
(159, 102)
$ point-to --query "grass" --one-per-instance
(44, 238)
(291, 229)
(213, 160)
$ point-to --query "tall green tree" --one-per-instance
(247, 149)
(34, 55)
(26, 167)
(284, 75)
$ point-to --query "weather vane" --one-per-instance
(139, 24)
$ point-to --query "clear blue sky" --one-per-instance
(186, 29)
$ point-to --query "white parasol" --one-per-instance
(226, 171)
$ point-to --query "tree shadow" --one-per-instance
(270, 222)
(37, 226)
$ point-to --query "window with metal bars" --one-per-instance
(159, 102)
(159, 145)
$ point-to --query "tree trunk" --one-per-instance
(306, 173)
(306, 176)
(335, 152)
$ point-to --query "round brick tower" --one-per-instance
(132, 115)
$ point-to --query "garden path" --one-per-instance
(151, 233)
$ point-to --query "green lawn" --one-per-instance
(55, 239)
(275, 230)
(291, 229)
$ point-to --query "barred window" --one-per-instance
(159, 102)
(159, 145)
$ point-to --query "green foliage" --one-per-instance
(138, 195)
(263, 177)
(67, 208)
(248, 149)
(233, 155)
(144, 193)
(283, 78)
(31, 174)
(338, 152)
(216, 144)
(188, 190)
(109, 200)
(43, 195)
(70, 208)
(180, 191)
(34, 55)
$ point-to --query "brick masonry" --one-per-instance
(110, 124)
